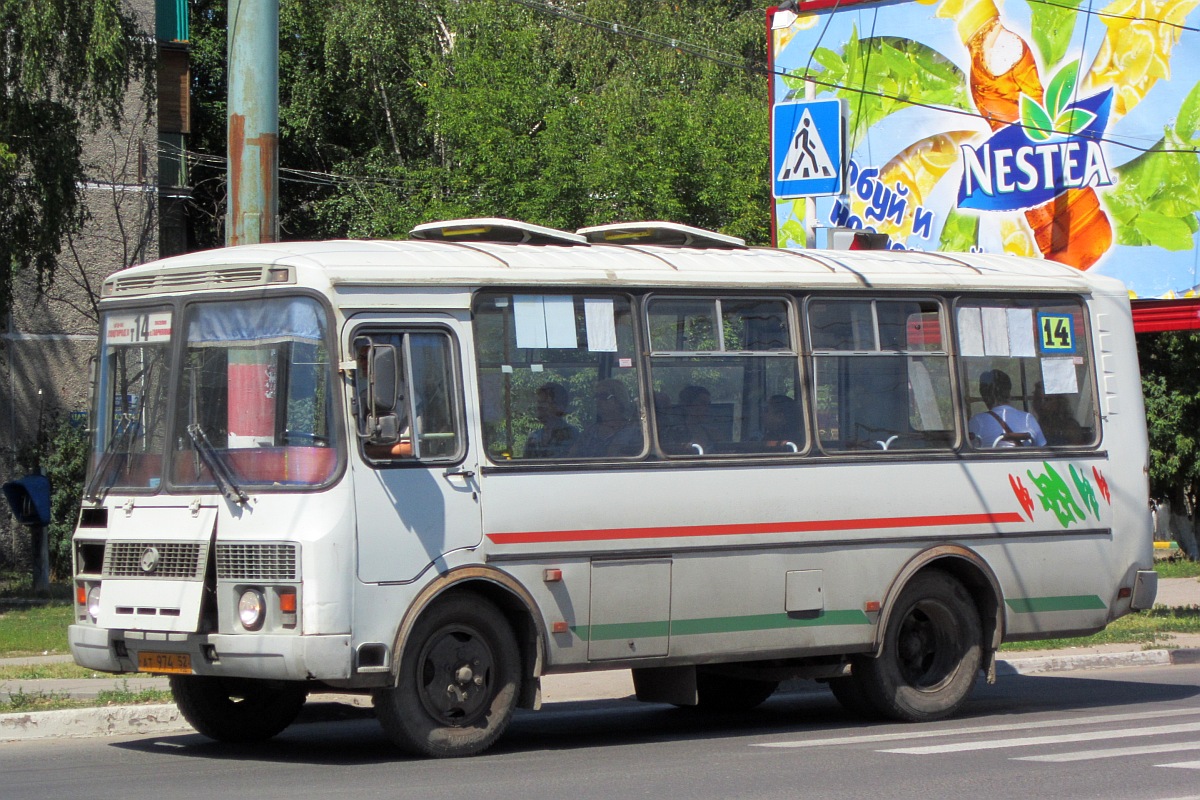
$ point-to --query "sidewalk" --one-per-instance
(575, 687)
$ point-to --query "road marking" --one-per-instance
(1031, 741)
(1182, 765)
(916, 733)
(1112, 752)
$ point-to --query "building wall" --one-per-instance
(50, 336)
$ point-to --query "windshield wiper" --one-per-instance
(216, 466)
(118, 445)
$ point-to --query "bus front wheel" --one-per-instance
(932, 650)
(237, 710)
(458, 681)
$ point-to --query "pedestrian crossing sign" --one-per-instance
(807, 143)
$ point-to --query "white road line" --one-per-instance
(1031, 741)
(916, 732)
(1182, 765)
(1112, 752)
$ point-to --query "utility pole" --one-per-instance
(252, 213)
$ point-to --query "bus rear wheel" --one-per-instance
(931, 655)
(238, 710)
(458, 681)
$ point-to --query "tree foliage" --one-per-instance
(1171, 386)
(449, 109)
(65, 66)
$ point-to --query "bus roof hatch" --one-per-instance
(658, 233)
(493, 229)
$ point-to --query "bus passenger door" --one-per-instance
(415, 474)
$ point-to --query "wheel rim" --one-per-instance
(456, 669)
(927, 646)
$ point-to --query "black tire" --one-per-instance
(931, 655)
(458, 681)
(238, 710)
(716, 692)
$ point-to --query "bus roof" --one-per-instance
(358, 263)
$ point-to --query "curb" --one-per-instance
(165, 718)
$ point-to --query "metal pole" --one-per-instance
(252, 215)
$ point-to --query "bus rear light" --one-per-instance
(81, 595)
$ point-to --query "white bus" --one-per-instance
(436, 470)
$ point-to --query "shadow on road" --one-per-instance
(342, 735)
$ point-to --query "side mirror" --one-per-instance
(378, 392)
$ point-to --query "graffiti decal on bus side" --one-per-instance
(1056, 494)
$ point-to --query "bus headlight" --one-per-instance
(93, 603)
(252, 609)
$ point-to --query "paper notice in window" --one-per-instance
(1021, 342)
(1058, 376)
(560, 322)
(995, 331)
(970, 331)
(530, 321)
(601, 325)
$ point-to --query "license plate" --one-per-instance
(175, 663)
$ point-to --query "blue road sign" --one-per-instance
(807, 147)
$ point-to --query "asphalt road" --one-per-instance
(1128, 733)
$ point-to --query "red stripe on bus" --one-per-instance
(750, 528)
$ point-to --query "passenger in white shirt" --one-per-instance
(1002, 425)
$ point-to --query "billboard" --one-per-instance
(1065, 130)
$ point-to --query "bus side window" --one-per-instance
(882, 374)
(725, 376)
(1025, 366)
(558, 377)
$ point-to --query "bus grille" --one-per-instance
(178, 560)
(257, 562)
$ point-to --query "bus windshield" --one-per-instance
(130, 415)
(252, 400)
(254, 403)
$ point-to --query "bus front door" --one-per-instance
(416, 499)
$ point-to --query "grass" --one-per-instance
(36, 631)
(1150, 629)
(1178, 567)
(121, 695)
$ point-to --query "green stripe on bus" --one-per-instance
(622, 630)
(1071, 602)
(764, 622)
(692, 627)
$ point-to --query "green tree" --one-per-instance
(1171, 385)
(65, 67)
(490, 108)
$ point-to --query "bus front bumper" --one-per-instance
(288, 658)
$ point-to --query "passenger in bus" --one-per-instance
(1002, 425)
(556, 436)
(615, 431)
(693, 431)
(1057, 421)
(781, 423)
